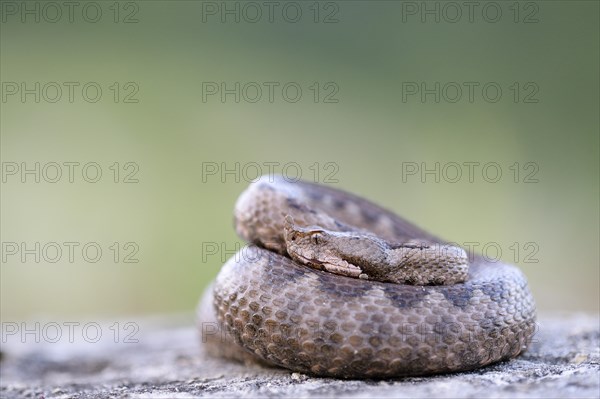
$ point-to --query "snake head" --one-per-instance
(317, 247)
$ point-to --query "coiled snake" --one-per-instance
(333, 285)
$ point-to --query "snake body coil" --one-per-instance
(340, 321)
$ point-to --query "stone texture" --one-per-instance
(169, 361)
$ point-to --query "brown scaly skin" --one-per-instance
(282, 312)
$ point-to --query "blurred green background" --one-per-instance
(173, 215)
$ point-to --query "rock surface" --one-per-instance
(169, 361)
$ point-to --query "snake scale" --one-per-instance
(334, 285)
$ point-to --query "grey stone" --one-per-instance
(169, 361)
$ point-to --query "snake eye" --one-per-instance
(316, 237)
